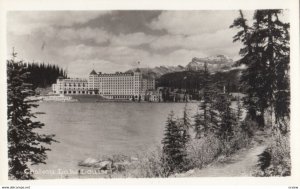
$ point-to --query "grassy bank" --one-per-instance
(201, 152)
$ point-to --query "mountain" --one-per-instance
(158, 71)
(214, 63)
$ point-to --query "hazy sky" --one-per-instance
(110, 41)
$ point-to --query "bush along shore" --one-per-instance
(190, 141)
(193, 153)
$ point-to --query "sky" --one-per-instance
(110, 41)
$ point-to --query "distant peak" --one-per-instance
(213, 59)
(215, 63)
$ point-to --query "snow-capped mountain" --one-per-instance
(160, 70)
(214, 63)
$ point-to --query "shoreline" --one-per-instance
(100, 99)
(118, 101)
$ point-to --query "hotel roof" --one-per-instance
(93, 72)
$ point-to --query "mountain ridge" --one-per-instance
(214, 64)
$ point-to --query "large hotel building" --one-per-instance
(111, 86)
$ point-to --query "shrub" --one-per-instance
(203, 151)
(148, 165)
(279, 163)
(207, 149)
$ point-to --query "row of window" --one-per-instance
(87, 92)
(78, 84)
(114, 79)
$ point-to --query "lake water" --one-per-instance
(92, 130)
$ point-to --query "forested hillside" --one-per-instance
(42, 75)
(191, 80)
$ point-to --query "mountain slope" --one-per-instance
(214, 63)
(192, 80)
(158, 71)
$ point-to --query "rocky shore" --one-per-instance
(116, 163)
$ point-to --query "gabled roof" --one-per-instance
(93, 72)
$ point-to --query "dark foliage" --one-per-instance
(215, 115)
(174, 146)
(227, 118)
(192, 81)
(25, 146)
(266, 55)
(42, 75)
(206, 118)
(264, 160)
(186, 125)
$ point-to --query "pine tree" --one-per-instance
(266, 55)
(239, 110)
(202, 120)
(252, 77)
(41, 76)
(275, 41)
(199, 125)
(206, 118)
(227, 119)
(174, 148)
(186, 123)
(24, 145)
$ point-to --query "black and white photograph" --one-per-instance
(107, 94)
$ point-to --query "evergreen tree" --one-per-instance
(199, 125)
(251, 77)
(42, 76)
(275, 41)
(206, 118)
(174, 149)
(185, 126)
(239, 110)
(186, 119)
(227, 118)
(24, 145)
(266, 55)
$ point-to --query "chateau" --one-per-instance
(111, 86)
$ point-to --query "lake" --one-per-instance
(93, 130)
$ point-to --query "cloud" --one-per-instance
(81, 51)
(78, 42)
(25, 22)
(100, 36)
(208, 43)
(134, 39)
(174, 58)
(118, 54)
(82, 67)
(193, 22)
(122, 59)
(96, 34)
(82, 58)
